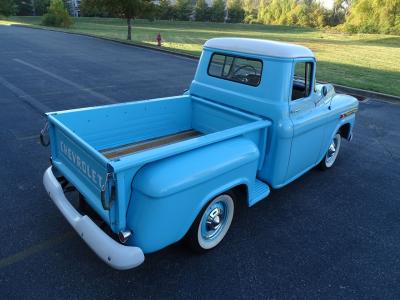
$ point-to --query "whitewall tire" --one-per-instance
(212, 224)
(332, 153)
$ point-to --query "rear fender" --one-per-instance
(169, 194)
(225, 188)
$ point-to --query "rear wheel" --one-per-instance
(212, 224)
(332, 153)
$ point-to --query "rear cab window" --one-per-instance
(235, 68)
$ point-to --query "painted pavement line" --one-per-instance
(28, 137)
(35, 104)
(99, 96)
(19, 256)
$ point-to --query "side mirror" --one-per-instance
(324, 91)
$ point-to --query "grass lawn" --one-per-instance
(366, 61)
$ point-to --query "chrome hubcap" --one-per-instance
(214, 220)
(332, 151)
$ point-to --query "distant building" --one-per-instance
(73, 7)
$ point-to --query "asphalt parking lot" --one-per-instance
(327, 235)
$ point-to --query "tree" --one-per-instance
(57, 15)
(374, 16)
(218, 11)
(250, 8)
(342, 5)
(91, 8)
(165, 10)
(235, 11)
(41, 7)
(24, 7)
(262, 11)
(339, 12)
(183, 9)
(7, 7)
(202, 11)
(307, 13)
(125, 9)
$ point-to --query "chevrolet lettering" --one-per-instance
(81, 164)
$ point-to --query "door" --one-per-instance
(307, 122)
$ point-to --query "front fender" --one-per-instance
(344, 107)
(343, 111)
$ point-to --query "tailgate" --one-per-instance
(80, 164)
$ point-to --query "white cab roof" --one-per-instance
(260, 47)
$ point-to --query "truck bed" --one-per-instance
(91, 145)
(121, 130)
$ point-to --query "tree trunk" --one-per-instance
(129, 21)
(33, 8)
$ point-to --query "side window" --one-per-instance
(302, 81)
(238, 69)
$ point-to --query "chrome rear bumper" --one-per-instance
(111, 252)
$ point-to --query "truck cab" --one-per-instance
(276, 81)
(161, 170)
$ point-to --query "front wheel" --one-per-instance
(212, 224)
(332, 153)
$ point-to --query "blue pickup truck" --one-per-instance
(162, 170)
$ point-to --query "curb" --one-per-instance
(134, 44)
(356, 92)
(360, 93)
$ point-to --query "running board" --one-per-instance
(260, 191)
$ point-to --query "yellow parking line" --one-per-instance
(19, 256)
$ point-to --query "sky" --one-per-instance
(327, 3)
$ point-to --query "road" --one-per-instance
(327, 235)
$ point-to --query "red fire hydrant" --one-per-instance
(158, 38)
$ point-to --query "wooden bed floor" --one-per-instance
(148, 144)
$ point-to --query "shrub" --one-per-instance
(57, 15)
